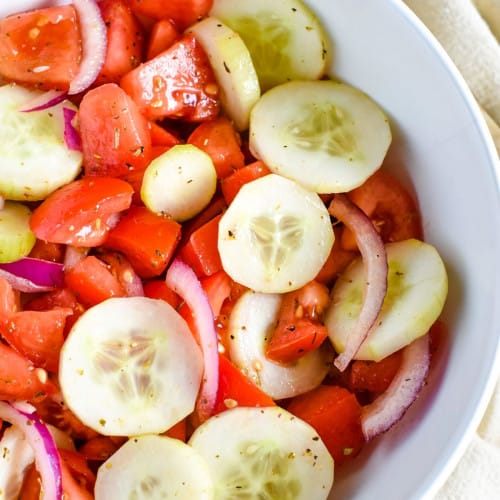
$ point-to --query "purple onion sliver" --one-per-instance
(42, 273)
(45, 101)
(71, 135)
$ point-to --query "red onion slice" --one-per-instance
(390, 406)
(45, 101)
(94, 41)
(374, 256)
(71, 135)
(182, 279)
(32, 275)
(47, 460)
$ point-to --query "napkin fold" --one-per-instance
(469, 30)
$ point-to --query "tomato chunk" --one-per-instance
(178, 83)
(19, 380)
(200, 251)
(389, 205)
(162, 36)
(92, 282)
(38, 335)
(231, 184)
(336, 415)
(237, 390)
(299, 329)
(79, 213)
(219, 139)
(41, 48)
(148, 240)
(125, 41)
(182, 12)
(115, 136)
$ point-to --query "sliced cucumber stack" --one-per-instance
(416, 293)
(233, 68)
(180, 182)
(251, 325)
(264, 453)
(34, 159)
(284, 38)
(16, 237)
(328, 136)
(130, 366)
(153, 466)
(275, 236)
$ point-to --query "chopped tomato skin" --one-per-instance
(38, 335)
(374, 376)
(41, 48)
(162, 36)
(336, 415)
(299, 329)
(125, 41)
(115, 136)
(231, 184)
(78, 214)
(178, 83)
(182, 12)
(390, 206)
(219, 139)
(200, 252)
(20, 379)
(159, 237)
(158, 289)
(237, 390)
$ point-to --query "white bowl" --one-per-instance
(442, 148)
(441, 144)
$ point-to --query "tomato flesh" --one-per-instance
(178, 83)
(41, 48)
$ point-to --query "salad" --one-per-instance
(211, 285)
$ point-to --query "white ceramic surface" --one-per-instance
(441, 147)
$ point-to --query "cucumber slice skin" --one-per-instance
(416, 293)
(275, 236)
(264, 453)
(16, 237)
(153, 466)
(130, 366)
(330, 137)
(285, 39)
(233, 68)
(248, 333)
(34, 158)
(180, 182)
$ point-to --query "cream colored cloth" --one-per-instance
(469, 30)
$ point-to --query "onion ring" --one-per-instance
(182, 280)
(374, 256)
(392, 404)
(94, 41)
(47, 460)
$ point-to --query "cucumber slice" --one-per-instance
(148, 467)
(248, 333)
(329, 137)
(275, 236)
(16, 237)
(416, 293)
(264, 453)
(180, 182)
(284, 38)
(233, 68)
(130, 366)
(34, 159)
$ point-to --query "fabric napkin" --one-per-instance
(469, 30)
